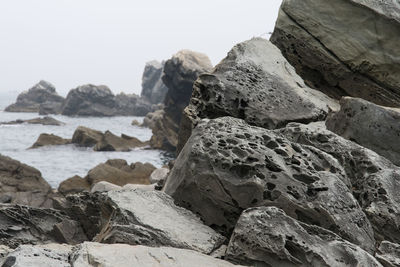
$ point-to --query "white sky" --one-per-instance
(75, 42)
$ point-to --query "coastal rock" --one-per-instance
(152, 118)
(180, 72)
(31, 100)
(135, 123)
(47, 108)
(73, 185)
(257, 84)
(50, 140)
(86, 137)
(335, 49)
(372, 126)
(42, 120)
(159, 175)
(111, 142)
(266, 236)
(228, 166)
(153, 88)
(389, 254)
(104, 186)
(131, 105)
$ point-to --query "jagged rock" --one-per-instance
(104, 186)
(50, 140)
(28, 225)
(159, 175)
(388, 254)
(43, 93)
(372, 126)
(375, 181)
(73, 185)
(334, 48)
(227, 166)
(266, 236)
(111, 142)
(43, 121)
(257, 84)
(86, 137)
(153, 88)
(180, 72)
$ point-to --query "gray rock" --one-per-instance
(86, 137)
(372, 126)
(132, 105)
(104, 186)
(151, 218)
(159, 175)
(375, 181)
(153, 88)
(50, 140)
(389, 254)
(343, 47)
(266, 236)
(43, 120)
(145, 187)
(227, 166)
(111, 142)
(257, 84)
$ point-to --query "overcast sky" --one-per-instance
(75, 42)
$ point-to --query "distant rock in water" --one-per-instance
(344, 48)
(180, 72)
(153, 88)
(43, 121)
(43, 93)
(50, 140)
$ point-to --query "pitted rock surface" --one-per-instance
(389, 254)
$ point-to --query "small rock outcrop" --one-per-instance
(336, 51)
(42, 120)
(372, 126)
(73, 185)
(111, 142)
(43, 93)
(86, 137)
(266, 236)
(153, 88)
(257, 84)
(50, 140)
(180, 72)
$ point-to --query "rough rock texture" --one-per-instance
(375, 181)
(152, 118)
(389, 254)
(28, 225)
(43, 93)
(227, 166)
(104, 186)
(132, 105)
(343, 47)
(266, 236)
(22, 184)
(111, 142)
(43, 121)
(159, 175)
(73, 185)
(257, 84)
(151, 218)
(86, 137)
(369, 125)
(50, 140)
(153, 88)
(180, 72)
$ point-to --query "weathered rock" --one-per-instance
(266, 236)
(375, 181)
(31, 100)
(28, 225)
(131, 105)
(159, 175)
(152, 118)
(111, 142)
(257, 84)
(389, 254)
(86, 137)
(47, 108)
(227, 166)
(343, 47)
(50, 140)
(144, 187)
(151, 218)
(153, 88)
(135, 123)
(73, 185)
(104, 186)
(180, 72)
(372, 126)
(44, 121)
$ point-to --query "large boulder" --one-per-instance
(43, 93)
(180, 72)
(45, 139)
(369, 125)
(131, 105)
(266, 236)
(227, 166)
(153, 88)
(111, 142)
(73, 185)
(86, 137)
(343, 47)
(257, 84)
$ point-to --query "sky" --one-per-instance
(75, 42)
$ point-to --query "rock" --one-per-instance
(150, 218)
(135, 123)
(31, 100)
(266, 236)
(28, 225)
(375, 181)
(159, 175)
(257, 84)
(336, 51)
(153, 88)
(152, 118)
(228, 166)
(389, 254)
(180, 72)
(47, 108)
(104, 186)
(145, 187)
(132, 105)
(50, 140)
(111, 142)
(372, 126)
(22, 184)
(86, 137)
(44, 121)
(73, 185)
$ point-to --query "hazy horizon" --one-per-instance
(70, 42)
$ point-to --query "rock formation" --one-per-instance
(153, 88)
(50, 140)
(42, 120)
(343, 47)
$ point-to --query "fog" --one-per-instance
(75, 42)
